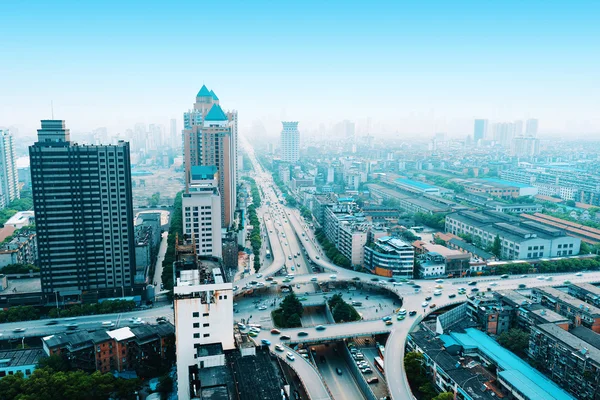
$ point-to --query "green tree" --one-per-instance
(515, 340)
(291, 201)
(585, 248)
(342, 311)
(497, 247)
(444, 396)
(154, 199)
(571, 203)
(165, 386)
(55, 362)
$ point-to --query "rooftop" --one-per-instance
(517, 372)
(204, 92)
(588, 287)
(505, 183)
(121, 334)
(570, 340)
(417, 184)
(19, 358)
(216, 114)
(444, 251)
(461, 244)
(555, 294)
(587, 335)
(263, 383)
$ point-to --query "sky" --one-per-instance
(412, 67)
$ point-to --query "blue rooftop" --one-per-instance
(216, 114)
(514, 370)
(417, 184)
(507, 183)
(204, 92)
(214, 96)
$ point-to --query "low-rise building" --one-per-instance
(456, 263)
(586, 292)
(24, 361)
(20, 248)
(518, 239)
(578, 312)
(390, 256)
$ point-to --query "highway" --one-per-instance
(281, 219)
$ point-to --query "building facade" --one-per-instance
(84, 215)
(9, 178)
(210, 139)
(290, 142)
(390, 256)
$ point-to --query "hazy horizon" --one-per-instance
(410, 69)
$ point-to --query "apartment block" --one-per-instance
(290, 142)
(84, 216)
(577, 311)
(203, 306)
(21, 249)
(519, 239)
(586, 292)
(9, 178)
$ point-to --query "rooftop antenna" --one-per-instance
(52, 108)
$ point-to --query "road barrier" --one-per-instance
(306, 387)
(359, 377)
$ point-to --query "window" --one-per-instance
(196, 336)
(196, 324)
(205, 315)
(205, 325)
(195, 315)
(560, 246)
(206, 335)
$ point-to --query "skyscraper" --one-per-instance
(210, 138)
(480, 130)
(84, 216)
(531, 127)
(290, 142)
(174, 138)
(9, 179)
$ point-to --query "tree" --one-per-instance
(165, 386)
(444, 396)
(342, 311)
(55, 362)
(571, 203)
(291, 201)
(515, 340)
(585, 248)
(154, 199)
(497, 247)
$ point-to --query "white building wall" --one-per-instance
(202, 217)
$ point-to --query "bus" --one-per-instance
(379, 364)
(267, 254)
(381, 351)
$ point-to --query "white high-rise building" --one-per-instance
(531, 127)
(9, 179)
(201, 208)
(174, 137)
(203, 324)
(290, 142)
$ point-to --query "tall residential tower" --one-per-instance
(479, 130)
(9, 179)
(210, 139)
(84, 216)
(290, 142)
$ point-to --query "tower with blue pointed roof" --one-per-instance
(210, 139)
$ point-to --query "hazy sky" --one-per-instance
(420, 67)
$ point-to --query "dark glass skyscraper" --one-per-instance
(84, 216)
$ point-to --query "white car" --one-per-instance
(437, 292)
(439, 281)
(290, 356)
(540, 278)
(262, 308)
(279, 347)
(424, 304)
(579, 274)
(259, 275)
(333, 277)
(493, 284)
(314, 279)
(402, 311)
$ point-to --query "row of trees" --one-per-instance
(289, 312)
(25, 203)
(106, 307)
(59, 384)
(19, 269)
(331, 251)
(437, 221)
(253, 191)
(175, 229)
(564, 265)
(342, 311)
(255, 240)
(420, 385)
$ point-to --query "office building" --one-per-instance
(210, 139)
(290, 142)
(84, 216)
(531, 127)
(201, 208)
(9, 178)
(390, 256)
(519, 239)
(203, 307)
(480, 130)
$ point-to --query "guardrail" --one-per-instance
(336, 337)
(358, 375)
(306, 387)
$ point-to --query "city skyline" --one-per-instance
(423, 71)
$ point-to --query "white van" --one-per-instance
(333, 277)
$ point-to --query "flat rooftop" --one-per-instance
(577, 344)
(445, 252)
(263, 383)
(27, 285)
(20, 358)
(556, 294)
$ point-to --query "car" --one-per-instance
(402, 311)
(289, 257)
(548, 278)
(241, 326)
(432, 305)
(373, 380)
(265, 342)
(401, 317)
(18, 330)
(290, 356)
(387, 318)
(262, 308)
(269, 279)
(253, 282)
(333, 277)
(472, 283)
(522, 286)
(235, 288)
(412, 313)
(293, 269)
(273, 283)
(284, 337)
(51, 322)
(504, 276)
(375, 279)
(252, 334)
(320, 327)
(302, 298)
(437, 292)
(388, 322)
(356, 303)
(439, 287)
(452, 295)
(523, 276)
(72, 326)
(439, 281)
(259, 275)
(403, 280)
(567, 282)
(391, 280)
(302, 333)
(474, 290)
(416, 286)
(110, 323)
(286, 280)
(427, 298)
(397, 283)
(317, 257)
(424, 304)
(578, 274)
(314, 279)
(493, 283)
(338, 371)
(366, 371)
(540, 278)
(261, 284)
(279, 347)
